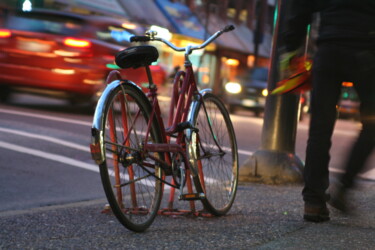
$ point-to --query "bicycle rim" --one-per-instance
(215, 155)
(129, 176)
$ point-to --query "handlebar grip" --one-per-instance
(228, 28)
(139, 39)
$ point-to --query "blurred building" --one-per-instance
(192, 21)
(248, 45)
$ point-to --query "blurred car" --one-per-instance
(348, 106)
(249, 92)
(63, 54)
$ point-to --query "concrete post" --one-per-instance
(275, 161)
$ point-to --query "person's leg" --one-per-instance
(365, 87)
(361, 150)
(325, 95)
(364, 82)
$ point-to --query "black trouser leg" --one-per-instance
(325, 95)
(358, 156)
(365, 143)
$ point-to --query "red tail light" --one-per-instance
(347, 84)
(77, 43)
(5, 33)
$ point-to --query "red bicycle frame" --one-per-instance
(184, 88)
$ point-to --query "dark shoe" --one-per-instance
(338, 197)
(316, 213)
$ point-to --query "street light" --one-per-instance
(27, 5)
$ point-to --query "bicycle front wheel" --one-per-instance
(130, 176)
(214, 153)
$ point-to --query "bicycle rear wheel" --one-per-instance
(130, 175)
(214, 153)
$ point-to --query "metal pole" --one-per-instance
(275, 161)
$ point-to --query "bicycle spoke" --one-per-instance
(128, 114)
(135, 180)
(216, 155)
(130, 177)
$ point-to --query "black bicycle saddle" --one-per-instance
(138, 56)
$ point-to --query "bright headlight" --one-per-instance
(265, 92)
(233, 87)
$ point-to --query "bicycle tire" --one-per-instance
(215, 171)
(135, 197)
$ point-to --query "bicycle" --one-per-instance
(137, 154)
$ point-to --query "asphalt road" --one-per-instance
(45, 157)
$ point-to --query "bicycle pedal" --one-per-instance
(191, 197)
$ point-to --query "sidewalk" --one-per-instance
(263, 217)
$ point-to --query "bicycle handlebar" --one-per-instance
(151, 37)
(228, 28)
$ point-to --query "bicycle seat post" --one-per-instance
(151, 84)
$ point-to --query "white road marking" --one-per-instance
(46, 138)
(245, 152)
(50, 156)
(335, 131)
(61, 159)
(368, 175)
(233, 117)
(59, 141)
(46, 117)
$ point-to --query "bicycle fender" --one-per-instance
(97, 152)
(205, 91)
(191, 133)
(97, 120)
(195, 103)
